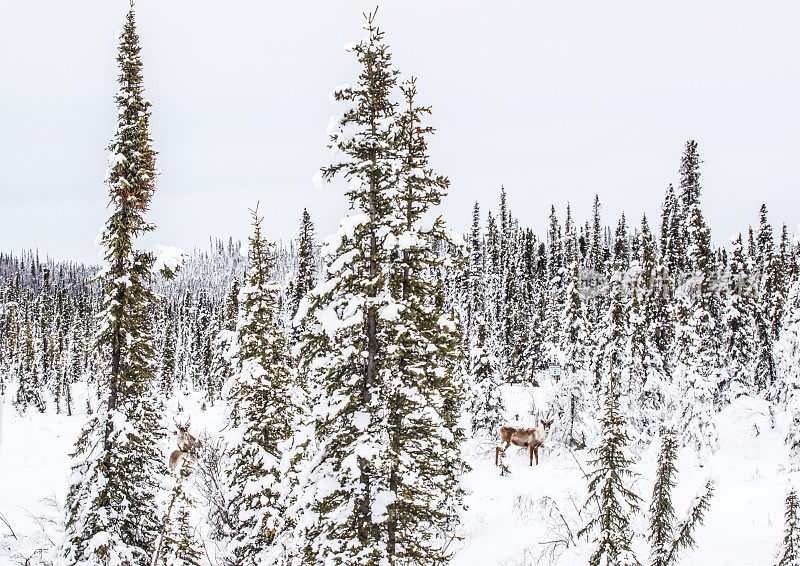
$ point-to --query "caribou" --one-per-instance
(187, 444)
(530, 438)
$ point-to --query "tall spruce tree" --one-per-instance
(767, 305)
(738, 325)
(787, 356)
(179, 545)
(342, 493)
(112, 500)
(29, 379)
(690, 176)
(423, 354)
(475, 296)
(667, 536)
(377, 461)
(261, 408)
(306, 262)
(610, 529)
(789, 554)
(656, 295)
(596, 250)
(699, 369)
(671, 244)
(571, 399)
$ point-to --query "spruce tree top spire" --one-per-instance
(364, 133)
(131, 173)
(690, 176)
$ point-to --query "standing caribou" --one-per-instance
(187, 444)
(530, 438)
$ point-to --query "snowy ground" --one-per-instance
(510, 518)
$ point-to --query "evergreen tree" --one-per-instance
(696, 376)
(596, 254)
(672, 247)
(699, 369)
(571, 399)
(74, 361)
(622, 260)
(306, 264)
(423, 357)
(555, 255)
(179, 545)
(475, 281)
(484, 403)
(112, 501)
(767, 313)
(787, 355)
(738, 321)
(261, 410)
(668, 537)
(690, 177)
(232, 306)
(342, 494)
(167, 364)
(380, 349)
(609, 483)
(790, 549)
(656, 292)
(30, 383)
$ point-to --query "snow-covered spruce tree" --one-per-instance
(73, 372)
(738, 325)
(596, 238)
(261, 408)
(475, 297)
(621, 255)
(571, 398)
(766, 307)
(668, 537)
(377, 460)
(662, 512)
(789, 554)
(698, 369)
(689, 201)
(772, 277)
(167, 363)
(420, 377)
(179, 545)
(612, 336)
(610, 494)
(483, 401)
(112, 516)
(649, 327)
(493, 295)
(787, 357)
(29, 379)
(672, 247)
(659, 301)
(342, 493)
(306, 263)
(521, 289)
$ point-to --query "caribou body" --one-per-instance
(530, 438)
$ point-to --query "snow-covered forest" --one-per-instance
(338, 400)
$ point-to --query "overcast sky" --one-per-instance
(554, 100)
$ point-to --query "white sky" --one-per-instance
(555, 100)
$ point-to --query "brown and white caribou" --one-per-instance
(530, 438)
(187, 444)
